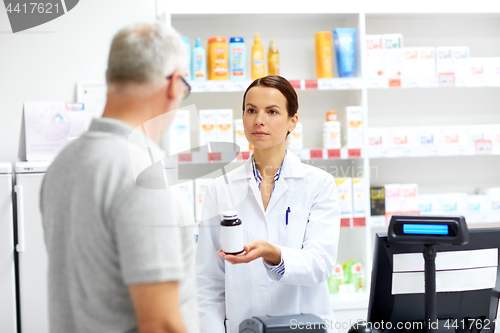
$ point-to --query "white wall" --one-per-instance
(45, 63)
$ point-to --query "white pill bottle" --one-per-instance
(231, 233)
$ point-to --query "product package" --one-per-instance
(336, 279)
(344, 191)
(427, 62)
(358, 194)
(461, 66)
(455, 203)
(354, 126)
(239, 135)
(374, 56)
(217, 59)
(430, 204)
(179, 133)
(208, 132)
(479, 207)
(224, 120)
(393, 201)
(295, 139)
(428, 135)
(237, 59)
(331, 132)
(404, 136)
(324, 54)
(200, 189)
(199, 62)
(409, 199)
(353, 274)
(380, 137)
(187, 64)
(377, 201)
(444, 60)
(411, 61)
(345, 50)
(393, 55)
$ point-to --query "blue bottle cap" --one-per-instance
(185, 39)
(198, 42)
(236, 40)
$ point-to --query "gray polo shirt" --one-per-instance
(103, 232)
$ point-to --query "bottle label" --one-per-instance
(237, 65)
(220, 62)
(198, 66)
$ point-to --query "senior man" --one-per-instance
(118, 259)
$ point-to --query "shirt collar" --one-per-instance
(258, 177)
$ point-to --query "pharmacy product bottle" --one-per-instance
(331, 131)
(187, 73)
(199, 62)
(295, 139)
(258, 66)
(324, 55)
(231, 233)
(273, 59)
(237, 59)
(217, 59)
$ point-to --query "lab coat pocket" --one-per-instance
(292, 232)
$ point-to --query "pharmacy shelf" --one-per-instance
(303, 154)
(354, 84)
(350, 301)
(313, 84)
(481, 148)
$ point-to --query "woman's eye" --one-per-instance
(273, 111)
(250, 111)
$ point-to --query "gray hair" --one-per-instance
(144, 54)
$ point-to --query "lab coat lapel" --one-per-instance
(279, 189)
(292, 168)
(247, 173)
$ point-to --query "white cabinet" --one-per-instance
(33, 261)
(8, 322)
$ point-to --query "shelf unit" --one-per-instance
(413, 102)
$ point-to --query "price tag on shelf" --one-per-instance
(428, 82)
(200, 86)
(483, 147)
(316, 154)
(221, 86)
(359, 222)
(214, 157)
(296, 84)
(460, 82)
(394, 83)
(333, 153)
(311, 84)
(410, 83)
(345, 84)
(376, 83)
(345, 222)
(302, 154)
(185, 158)
(354, 153)
(326, 84)
(446, 80)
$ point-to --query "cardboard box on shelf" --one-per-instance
(411, 62)
(393, 55)
(224, 120)
(393, 200)
(179, 134)
(427, 62)
(379, 137)
(430, 204)
(478, 208)
(377, 201)
(409, 199)
(444, 60)
(455, 203)
(344, 191)
(354, 127)
(374, 56)
(405, 136)
(208, 132)
(239, 135)
(358, 194)
(461, 56)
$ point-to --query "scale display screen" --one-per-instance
(425, 229)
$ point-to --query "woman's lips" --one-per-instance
(259, 134)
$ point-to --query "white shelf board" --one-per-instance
(350, 302)
(429, 151)
(304, 154)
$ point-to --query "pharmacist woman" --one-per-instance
(290, 216)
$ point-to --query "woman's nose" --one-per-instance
(259, 118)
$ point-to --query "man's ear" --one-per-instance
(173, 88)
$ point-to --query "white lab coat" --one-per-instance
(228, 294)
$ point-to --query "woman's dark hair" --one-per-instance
(282, 84)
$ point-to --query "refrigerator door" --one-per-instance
(33, 261)
(7, 268)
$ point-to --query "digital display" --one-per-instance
(425, 229)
